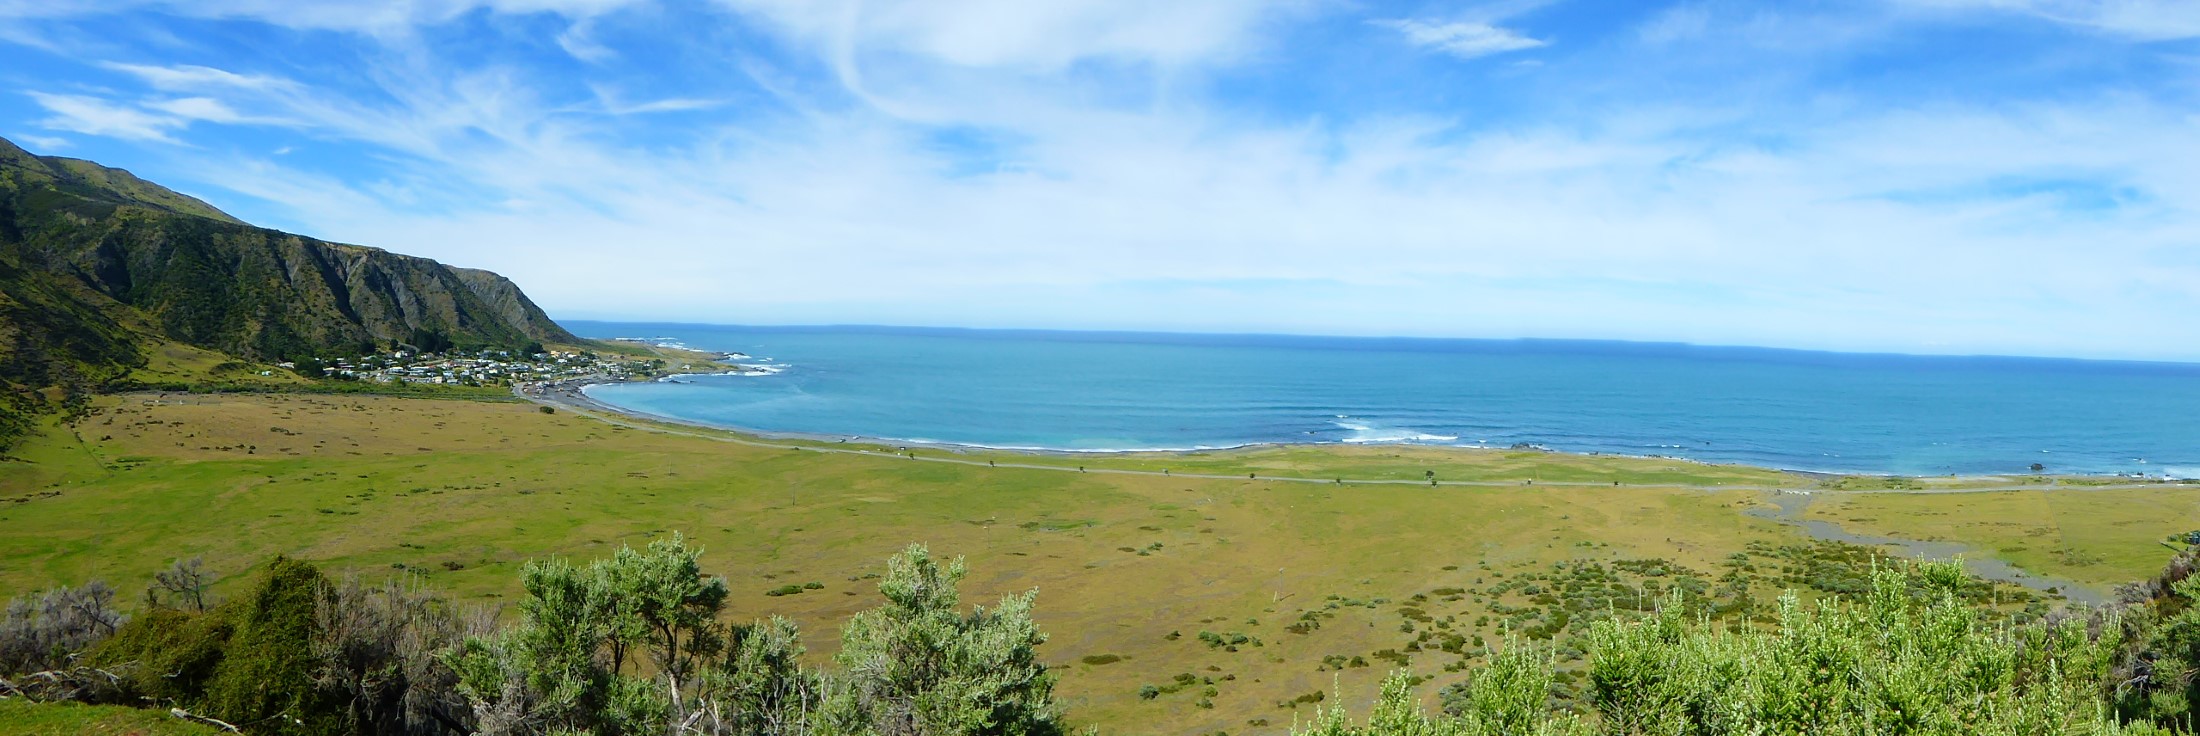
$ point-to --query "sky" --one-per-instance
(1927, 176)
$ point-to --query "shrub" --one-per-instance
(267, 668)
(169, 655)
(1910, 658)
(918, 665)
(45, 631)
(376, 651)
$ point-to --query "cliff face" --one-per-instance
(97, 264)
(201, 277)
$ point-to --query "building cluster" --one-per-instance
(483, 367)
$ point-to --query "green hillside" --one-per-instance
(99, 267)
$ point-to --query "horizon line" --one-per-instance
(2193, 362)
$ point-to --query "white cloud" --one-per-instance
(1650, 232)
(1679, 22)
(1464, 39)
(1868, 226)
(41, 142)
(579, 39)
(186, 77)
(94, 116)
(2149, 20)
(362, 16)
(1035, 36)
(209, 110)
(611, 102)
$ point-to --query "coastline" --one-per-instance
(1783, 503)
(1077, 394)
(572, 393)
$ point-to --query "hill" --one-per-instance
(99, 269)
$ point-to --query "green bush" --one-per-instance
(2158, 676)
(918, 664)
(1911, 658)
(267, 668)
(248, 661)
(169, 656)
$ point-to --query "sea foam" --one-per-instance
(1364, 433)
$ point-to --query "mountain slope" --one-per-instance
(96, 264)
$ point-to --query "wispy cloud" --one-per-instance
(2153, 20)
(611, 102)
(42, 142)
(377, 18)
(1029, 35)
(579, 40)
(1045, 164)
(207, 109)
(186, 77)
(95, 116)
(1464, 39)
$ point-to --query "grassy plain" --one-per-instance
(21, 718)
(2100, 537)
(461, 492)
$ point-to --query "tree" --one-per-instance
(563, 667)
(46, 631)
(663, 596)
(550, 671)
(378, 651)
(268, 670)
(761, 688)
(430, 340)
(2158, 677)
(185, 582)
(918, 666)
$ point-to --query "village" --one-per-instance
(481, 367)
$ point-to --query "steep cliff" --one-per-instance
(96, 263)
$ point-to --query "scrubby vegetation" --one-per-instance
(1914, 657)
(634, 644)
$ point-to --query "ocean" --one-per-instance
(1111, 391)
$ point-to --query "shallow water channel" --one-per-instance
(1788, 508)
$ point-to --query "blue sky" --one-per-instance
(1937, 176)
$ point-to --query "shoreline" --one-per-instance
(579, 393)
(576, 389)
(573, 393)
(1784, 504)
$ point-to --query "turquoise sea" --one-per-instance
(1130, 391)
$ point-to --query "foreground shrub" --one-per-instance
(562, 668)
(169, 655)
(300, 655)
(633, 644)
(1911, 659)
(267, 668)
(2157, 678)
(42, 632)
(917, 665)
(377, 650)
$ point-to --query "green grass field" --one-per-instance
(2098, 537)
(19, 718)
(461, 492)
